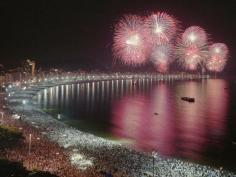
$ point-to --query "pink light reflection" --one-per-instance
(192, 128)
(128, 117)
(217, 100)
(162, 126)
(135, 118)
(162, 121)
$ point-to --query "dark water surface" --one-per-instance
(150, 115)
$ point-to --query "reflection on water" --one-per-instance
(162, 121)
(149, 113)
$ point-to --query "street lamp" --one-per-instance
(59, 116)
(24, 102)
(30, 139)
(2, 114)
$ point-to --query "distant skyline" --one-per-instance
(79, 34)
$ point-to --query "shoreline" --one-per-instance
(97, 151)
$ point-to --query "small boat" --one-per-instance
(155, 113)
(189, 99)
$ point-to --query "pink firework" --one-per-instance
(218, 57)
(130, 41)
(190, 57)
(162, 56)
(194, 36)
(192, 48)
(161, 27)
(216, 64)
(218, 50)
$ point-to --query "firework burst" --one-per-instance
(218, 57)
(192, 48)
(130, 41)
(137, 39)
(219, 50)
(161, 27)
(216, 64)
(194, 36)
(162, 56)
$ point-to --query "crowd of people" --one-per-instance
(66, 151)
(42, 155)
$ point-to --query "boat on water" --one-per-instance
(189, 99)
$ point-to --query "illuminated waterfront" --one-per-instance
(144, 114)
(150, 115)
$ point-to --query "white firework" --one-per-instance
(161, 27)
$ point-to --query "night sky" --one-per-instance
(78, 34)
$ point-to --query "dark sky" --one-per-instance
(78, 34)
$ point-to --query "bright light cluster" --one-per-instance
(155, 38)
